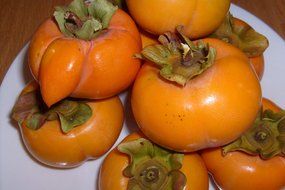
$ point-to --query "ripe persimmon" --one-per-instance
(158, 169)
(70, 132)
(196, 96)
(85, 51)
(257, 159)
(199, 18)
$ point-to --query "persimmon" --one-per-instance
(257, 159)
(147, 39)
(85, 51)
(190, 96)
(137, 162)
(70, 132)
(242, 35)
(199, 17)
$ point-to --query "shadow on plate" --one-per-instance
(130, 121)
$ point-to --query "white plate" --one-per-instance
(19, 171)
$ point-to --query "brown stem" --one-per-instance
(73, 18)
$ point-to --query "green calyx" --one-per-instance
(31, 111)
(242, 36)
(84, 19)
(152, 167)
(266, 138)
(179, 58)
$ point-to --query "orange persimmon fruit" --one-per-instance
(199, 17)
(195, 102)
(85, 51)
(113, 174)
(238, 170)
(44, 135)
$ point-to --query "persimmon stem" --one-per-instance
(260, 136)
(179, 58)
(152, 167)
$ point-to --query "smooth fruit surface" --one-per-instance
(199, 17)
(211, 110)
(90, 140)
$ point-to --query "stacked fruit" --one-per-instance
(202, 95)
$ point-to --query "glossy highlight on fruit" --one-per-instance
(212, 109)
(68, 61)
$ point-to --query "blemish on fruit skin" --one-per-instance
(178, 116)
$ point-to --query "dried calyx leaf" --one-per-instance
(84, 19)
(266, 138)
(31, 111)
(242, 36)
(178, 57)
(152, 167)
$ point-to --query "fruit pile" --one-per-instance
(194, 74)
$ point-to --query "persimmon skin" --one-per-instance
(59, 58)
(238, 170)
(111, 173)
(46, 33)
(101, 70)
(213, 108)
(51, 146)
(258, 61)
(147, 39)
(199, 17)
